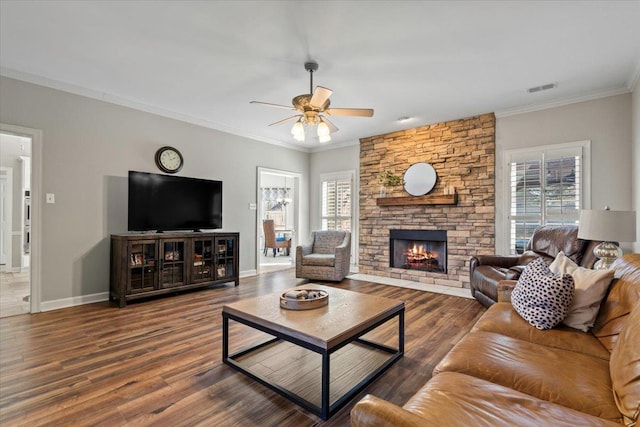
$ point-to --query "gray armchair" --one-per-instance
(328, 257)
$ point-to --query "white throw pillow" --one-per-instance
(591, 287)
(541, 297)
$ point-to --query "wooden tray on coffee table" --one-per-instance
(304, 304)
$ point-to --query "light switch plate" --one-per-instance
(51, 198)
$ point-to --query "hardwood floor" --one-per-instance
(158, 362)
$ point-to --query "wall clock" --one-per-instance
(169, 159)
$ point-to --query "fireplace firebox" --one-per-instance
(424, 250)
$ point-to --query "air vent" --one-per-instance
(541, 88)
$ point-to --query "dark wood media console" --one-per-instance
(144, 265)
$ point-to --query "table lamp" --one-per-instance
(609, 227)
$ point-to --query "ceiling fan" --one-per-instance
(311, 106)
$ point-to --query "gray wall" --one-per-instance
(606, 122)
(88, 148)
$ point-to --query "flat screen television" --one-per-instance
(166, 202)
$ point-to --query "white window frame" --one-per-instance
(541, 153)
(343, 175)
(338, 176)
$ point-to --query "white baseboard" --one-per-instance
(438, 289)
(99, 297)
(248, 273)
(73, 301)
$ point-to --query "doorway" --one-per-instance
(15, 224)
(278, 195)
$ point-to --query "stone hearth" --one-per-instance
(463, 154)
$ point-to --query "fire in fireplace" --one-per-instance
(424, 250)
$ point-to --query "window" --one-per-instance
(336, 203)
(547, 185)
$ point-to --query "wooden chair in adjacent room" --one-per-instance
(273, 242)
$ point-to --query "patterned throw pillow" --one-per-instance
(541, 297)
(591, 287)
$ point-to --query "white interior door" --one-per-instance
(5, 217)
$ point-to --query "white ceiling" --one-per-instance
(203, 61)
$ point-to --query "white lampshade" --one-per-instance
(324, 138)
(298, 131)
(323, 129)
(324, 134)
(607, 225)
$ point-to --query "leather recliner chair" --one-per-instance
(547, 241)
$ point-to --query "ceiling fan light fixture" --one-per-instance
(324, 138)
(298, 131)
(310, 106)
(324, 133)
(323, 129)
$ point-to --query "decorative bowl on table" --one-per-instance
(303, 299)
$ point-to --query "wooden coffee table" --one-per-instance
(317, 358)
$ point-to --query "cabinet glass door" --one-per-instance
(203, 260)
(225, 248)
(143, 263)
(173, 272)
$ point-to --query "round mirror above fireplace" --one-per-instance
(419, 179)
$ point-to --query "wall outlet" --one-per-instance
(253, 206)
(51, 198)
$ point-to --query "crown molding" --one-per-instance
(560, 102)
(633, 80)
(327, 147)
(113, 99)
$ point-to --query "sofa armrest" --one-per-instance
(513, 273)
(505, 261)
(303, 250)
(343, 250)
(505, 287)
(373, 411)
(527, 256)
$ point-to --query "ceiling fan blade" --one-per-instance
(332, 127)
(319, 97)
(288, 119)
(268, 104)
(358, 112)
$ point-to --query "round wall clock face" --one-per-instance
(169, 159)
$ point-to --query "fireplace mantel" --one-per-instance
(436, 199)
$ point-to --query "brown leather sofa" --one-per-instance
(485, 271)
(508, 373)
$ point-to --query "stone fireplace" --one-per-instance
(463, 154)
(423, 250)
